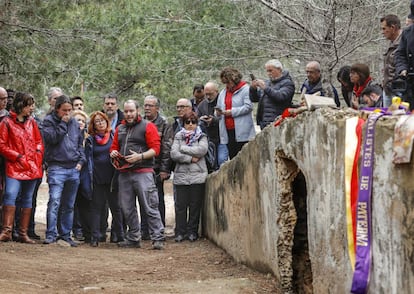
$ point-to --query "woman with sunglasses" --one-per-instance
(190, 173)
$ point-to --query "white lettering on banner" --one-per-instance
(362, 225)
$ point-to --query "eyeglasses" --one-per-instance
(192, 121)
(149, 105)
(181, 106)
(99, 121)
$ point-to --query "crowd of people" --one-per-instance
(110, 158)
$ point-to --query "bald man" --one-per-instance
(314, 83)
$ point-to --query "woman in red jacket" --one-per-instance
(22, 147)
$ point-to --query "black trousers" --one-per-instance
(188, 203)
(233, 146)
(100, 197)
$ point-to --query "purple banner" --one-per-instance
(360, 279)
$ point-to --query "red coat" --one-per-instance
(22, 147)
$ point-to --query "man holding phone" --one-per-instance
(210, 123)
(273, 95)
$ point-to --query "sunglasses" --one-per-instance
(187, 122)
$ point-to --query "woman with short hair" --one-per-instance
(190, 173)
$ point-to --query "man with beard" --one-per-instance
(162, 161)
(110, 108)
(273, 95)
(136, 143)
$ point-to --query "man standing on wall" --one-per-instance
(391, 29)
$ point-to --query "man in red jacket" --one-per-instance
(136, 143)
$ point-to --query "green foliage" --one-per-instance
(136, 48)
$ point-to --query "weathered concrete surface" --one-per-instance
(250, 213)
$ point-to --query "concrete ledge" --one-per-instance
(254, 212)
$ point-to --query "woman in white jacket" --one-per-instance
(190, 173)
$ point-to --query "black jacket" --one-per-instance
(276, 97)
(163, 160)
(207, 108)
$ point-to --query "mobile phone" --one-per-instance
(252, 77)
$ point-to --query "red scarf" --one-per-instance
(358, 89)
(228, 100)
(102, 140)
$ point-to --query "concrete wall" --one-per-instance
(250, 212)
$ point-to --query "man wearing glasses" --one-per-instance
(183, 106)
(162, 161)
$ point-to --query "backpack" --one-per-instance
(211, 157)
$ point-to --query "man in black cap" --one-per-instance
(405, 59)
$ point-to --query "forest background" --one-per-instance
(137, 48)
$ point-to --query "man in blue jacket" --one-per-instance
(64, 156)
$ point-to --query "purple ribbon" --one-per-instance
(360, 279)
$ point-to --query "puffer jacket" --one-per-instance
(274, 99)
(22, 146)
(187, 172)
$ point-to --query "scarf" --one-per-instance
(358, 89)
(191, 136)
(102, 140)
(228, 101)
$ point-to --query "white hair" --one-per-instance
(275, 63)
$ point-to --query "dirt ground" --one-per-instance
(199, 267)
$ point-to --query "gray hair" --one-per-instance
(52, 90)
(157, 101)
(187, 101)
(275, 63)
(214, 85)
(111, 96)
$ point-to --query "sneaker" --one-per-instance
(71, 242)
(129, 244)
(48, 241)
(179, 238)
(79, 237)
(192, 237)
(158, 245)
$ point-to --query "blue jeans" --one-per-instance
(222, 154)
(63, 186)
(22, 188)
